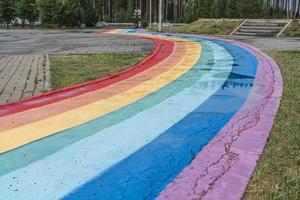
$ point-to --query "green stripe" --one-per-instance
(27, 154)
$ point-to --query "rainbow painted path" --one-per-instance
(189, 122)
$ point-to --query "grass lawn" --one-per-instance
(278, 172)
(67, 70)
(293, 30)
(208, 26)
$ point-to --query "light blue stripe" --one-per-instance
(61, 172)
(27, 154)
(144, 174)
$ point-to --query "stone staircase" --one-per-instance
(263, 28)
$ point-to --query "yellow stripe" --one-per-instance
(22, 135)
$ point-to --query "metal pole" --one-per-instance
(160, 16)
(150, 14)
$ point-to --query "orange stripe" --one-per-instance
(36, 114)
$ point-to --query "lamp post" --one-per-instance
(160, 16)
(150, 21)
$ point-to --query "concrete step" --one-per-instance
(263, 27)
(268, 20)
(267, 28)
(263, 24)
(258, 30)
(256, 34)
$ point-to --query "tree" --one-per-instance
(7, 11)
(207, 9)
(50, 11)
(137, 18)
(215, 9)
(251, 9)
(27, 10)
(221, 8)
(89, 12)
(282, 8)
(218, 8)
(191, 12)
(73, 13)
(232, 9)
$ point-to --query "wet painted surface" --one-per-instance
(185, 124)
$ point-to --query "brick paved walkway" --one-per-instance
(21, 76)
(23, 56)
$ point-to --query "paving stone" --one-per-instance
(22, 61)
(15, 97)
(27, 94)
(4, 61)
(18, 76)
(7, 74)
(4, 98)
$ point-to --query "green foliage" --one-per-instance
(251, 9)
(73, 13)
(208, 26)
(122, 16)
(225, 9)
(27, 10)
(241, 9)
(89, 16)
(67, 12)
(144, 23)
(7, 11)
(51, 11)
(232, 9)
(192, 12)
(219, 8)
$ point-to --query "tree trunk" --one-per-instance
(23, 23)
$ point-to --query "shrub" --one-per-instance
(144, 23)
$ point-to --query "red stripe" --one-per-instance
(163, 49)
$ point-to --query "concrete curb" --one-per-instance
(224, 167)
(47, 80)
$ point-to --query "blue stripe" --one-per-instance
(147, 172)
(15, 159)
(80, 162)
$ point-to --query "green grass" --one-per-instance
(208, 26)
(293, 30)
(278, 172)
(67, 70)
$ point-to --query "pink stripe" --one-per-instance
(224, 167)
